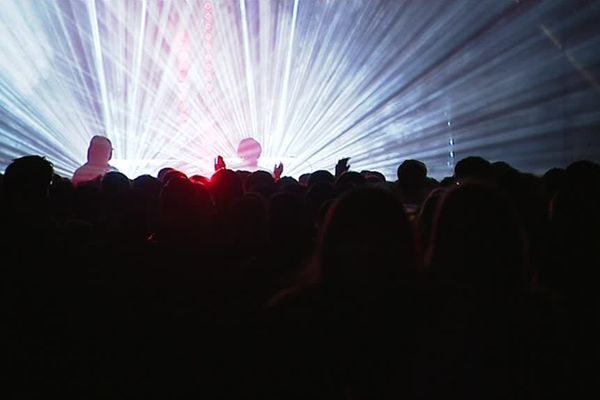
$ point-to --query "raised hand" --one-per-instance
(277, 171)
(219, 163)
(342, 166)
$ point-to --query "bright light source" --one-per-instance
(311, 80)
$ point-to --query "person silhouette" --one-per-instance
(249, 151)
(98, 155)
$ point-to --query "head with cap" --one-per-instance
(100, 150)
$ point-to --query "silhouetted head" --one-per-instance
(147, 184)
(303, 179)
(477, 240)
(172, 173)
(249, 150)
(412, 173)
(289, 185)
(100, 150)
(225, 188)
(321, 176)
(472, 168)
(260, 182)
(115, 184)
(499, 169)
(27, 181)
(161, 174)
(367, 242)
(349, 180)
(412, 180)
(114, 189)
(373, 177)
(583, 175)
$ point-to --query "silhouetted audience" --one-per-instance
(338, 286)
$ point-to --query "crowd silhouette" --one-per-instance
(337, 285)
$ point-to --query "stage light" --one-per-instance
(176, 83)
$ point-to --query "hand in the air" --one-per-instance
(342, 166)
(277, 171)
(219, 163)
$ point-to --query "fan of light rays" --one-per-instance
(176, 82)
